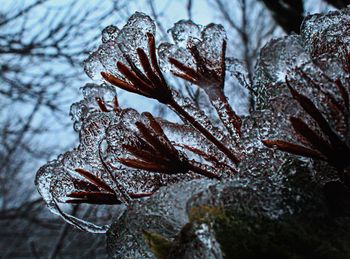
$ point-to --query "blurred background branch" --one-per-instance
(289, 14)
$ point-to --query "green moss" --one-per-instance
(242, 237)
(203, 213)
(159, 245)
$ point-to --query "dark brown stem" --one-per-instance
(178, 109)
(201, 171)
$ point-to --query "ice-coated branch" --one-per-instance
(151, 83)
(325, 143)
(212, 81)
(156, 153)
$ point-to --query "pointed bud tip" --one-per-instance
(105, 75)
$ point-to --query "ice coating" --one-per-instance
(52, 175)
(258, 184)
(106, 92)
(208, 69)
(186, 34)
(210, 47)
(185, 134)
(168, 50)
(135, 180)
(277, 60)
(313, 89)
(105, 129)
(216, 130)
(103, 134)
(237, 86)
(93, 66)
(116, 44)
(262, 184)
(327, 33)
(79, 111)
(239, 70)
(318, 73)
(165, 213)
(133, 34)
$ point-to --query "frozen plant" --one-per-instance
(124, 155)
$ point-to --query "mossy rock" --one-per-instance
(292, 237)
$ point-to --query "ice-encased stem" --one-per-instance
(183, 114)
(228, 117)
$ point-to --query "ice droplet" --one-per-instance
(183, 31)
(93, 67)
(110, 33)
(79, 111)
